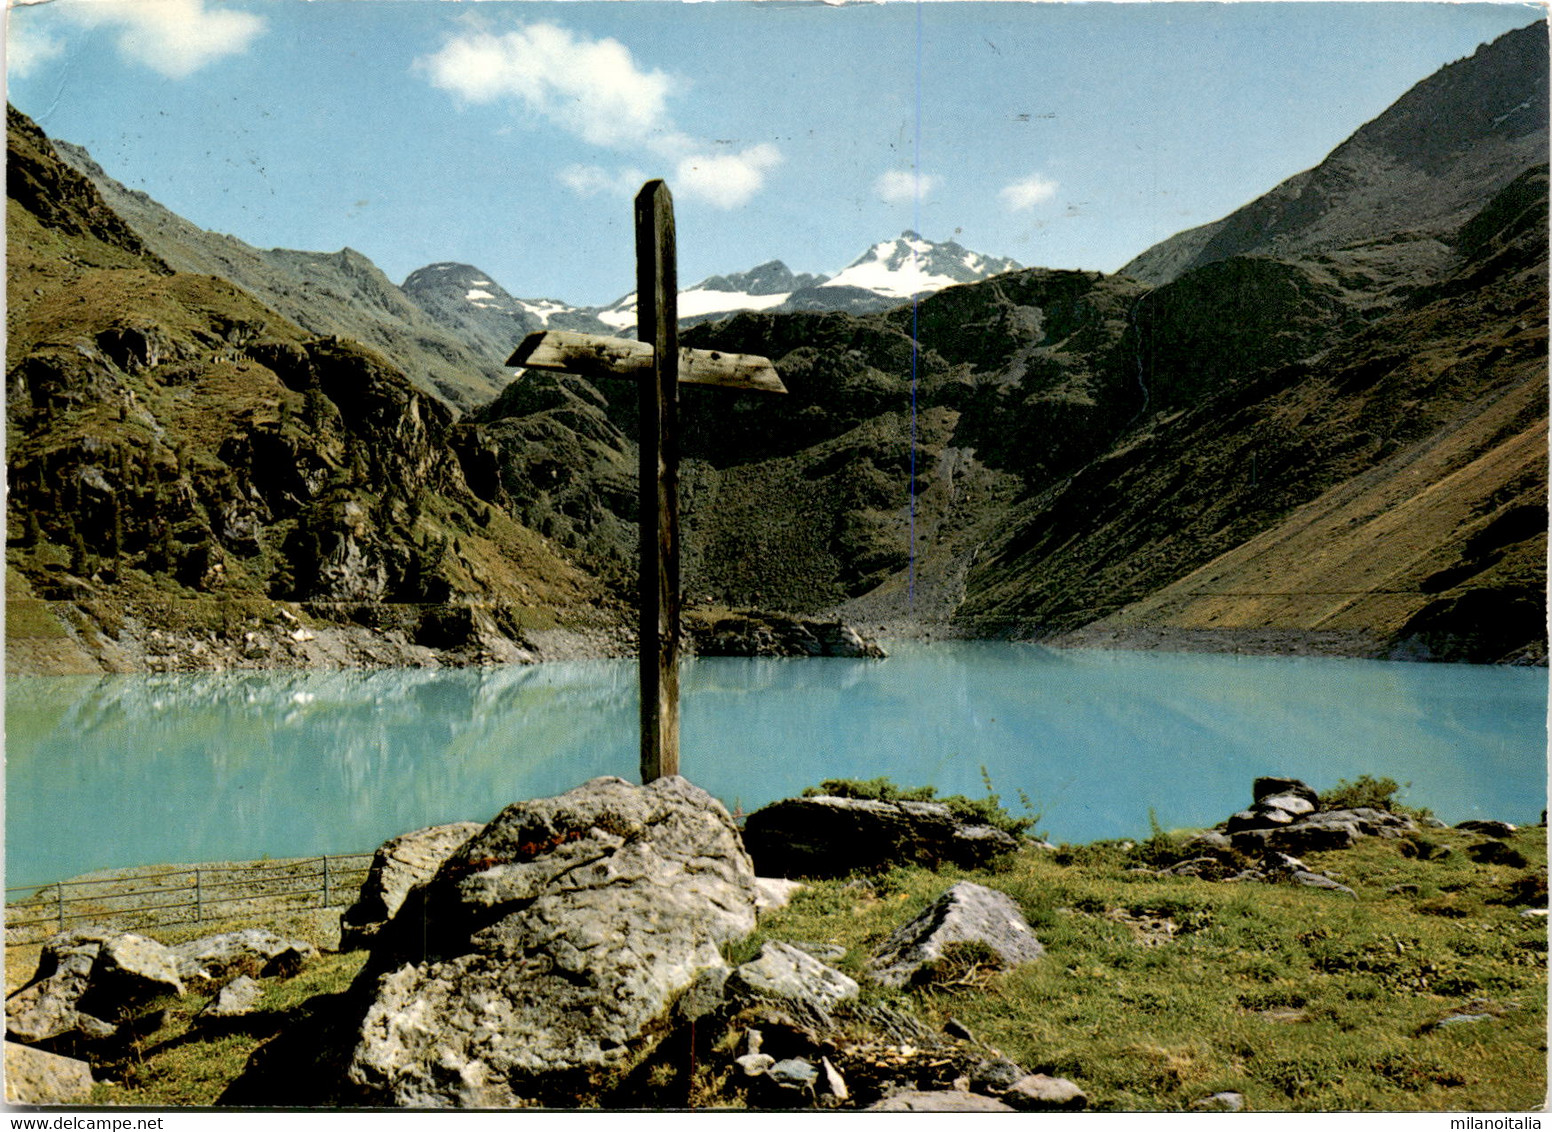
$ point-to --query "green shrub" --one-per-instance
(1160, 849)
(976, 811)
(1375, 793)
(873, 789)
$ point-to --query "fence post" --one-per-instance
(59, 892)
(199, 912)
(325, 880)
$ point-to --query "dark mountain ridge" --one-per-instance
(469, 304)
(773, 278)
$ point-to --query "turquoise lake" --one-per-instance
(126, 770)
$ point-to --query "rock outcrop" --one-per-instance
(234, 1000)
(782, 971)
(251, 952)
(542, 962)
(749, 633)
(827, 836)
(87, 981)
(967, 913)
(938, 1100)
(1268, 827)
(1286, 819)
(399, 864)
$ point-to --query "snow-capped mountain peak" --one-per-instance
(911, 265)
(760, 288)
(888, 273)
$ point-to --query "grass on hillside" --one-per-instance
(1154, 992)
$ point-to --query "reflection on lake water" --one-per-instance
(123, 770)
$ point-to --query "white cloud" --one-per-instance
(591, 88)
(1025, 194)
(595, 90)
(727, 180)
(174, 38)
(593, 180)
(26, 51)
(898, 186)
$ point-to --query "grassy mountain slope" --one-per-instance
(327, 293)
(182, 457)
(1392, 490)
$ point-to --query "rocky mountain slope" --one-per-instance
(191, 473)
(1386, 497)
(326, 293)
(1411, 177)
(480, 313)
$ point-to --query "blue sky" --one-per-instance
(511, 134)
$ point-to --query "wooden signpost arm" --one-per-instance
(657, 322)
(594, 355)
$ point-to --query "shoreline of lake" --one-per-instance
(44, 641)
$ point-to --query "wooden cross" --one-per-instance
(659, 365)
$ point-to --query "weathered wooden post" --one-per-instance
(658, 363)
(657, 322)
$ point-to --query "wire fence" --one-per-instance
(162, 895)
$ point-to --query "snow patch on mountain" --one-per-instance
(546, 309)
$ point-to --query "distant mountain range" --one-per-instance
(466, 300)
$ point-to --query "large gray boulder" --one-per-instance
(252, 951)
(1037, 1092)
(48, 1005)
(87, 980)
(827, 836)
(35, 1076)
(543, 960)
(1271, 787)
(399, 864)
(132, 969)
(966, 913)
